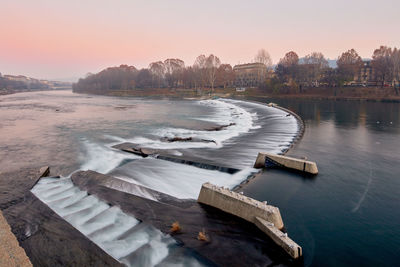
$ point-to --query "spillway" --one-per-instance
(122, 236)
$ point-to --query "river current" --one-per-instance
(347, 215)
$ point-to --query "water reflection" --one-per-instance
(347, 215)
(376, 116)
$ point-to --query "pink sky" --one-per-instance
(64, 39)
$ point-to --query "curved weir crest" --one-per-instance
(225, 113)
(182, 181)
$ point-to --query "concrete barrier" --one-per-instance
(11, 254)
(280, 238)
(239, 205)
(266, 217)
(44, 171)
(287, 162)
(170, 155)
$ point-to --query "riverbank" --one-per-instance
(372, 94)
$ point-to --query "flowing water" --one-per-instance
(345, 216)
(73, 132)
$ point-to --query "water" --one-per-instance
(73, 132)
(347, 215)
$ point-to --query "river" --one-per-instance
(344, 216)
(348, 214)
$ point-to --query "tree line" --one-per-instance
(12, 85)
(209, 72)
(314, 68)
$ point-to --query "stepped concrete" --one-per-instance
(107, 226)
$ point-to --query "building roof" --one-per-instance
(249, 66)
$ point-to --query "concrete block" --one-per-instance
(280, 238)
(239, 205)
(287, 162)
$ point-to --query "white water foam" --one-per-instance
(175, 179)
(102, 158)
(183, 181)
(225, 114)
(130, 188)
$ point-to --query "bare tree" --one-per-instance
(290, 59)
(312, 67)
(173, 71)
(381, 62)
(287, 68)
(396, 69)
(199, 67)
(225, 75)
(263, 57)
(348, 64)
(212, 64)
(157, 69)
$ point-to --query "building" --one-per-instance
(19, 78)
(249, 75)
(366, 75)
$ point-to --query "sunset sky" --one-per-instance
(66, 39)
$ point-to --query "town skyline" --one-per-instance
(45, 39)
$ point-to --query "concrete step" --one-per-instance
(151, 253)
(68, 200)
(82, 216)
(115, 227)
(120, 235)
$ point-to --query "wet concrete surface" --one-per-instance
(47, 239)
(233, 241)
(170, 155)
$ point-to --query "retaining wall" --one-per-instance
(239, 205)
(266, 217)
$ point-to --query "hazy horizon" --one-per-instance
(61, 40)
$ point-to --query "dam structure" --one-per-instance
(122, 236)
(143, 192)
(266, 217)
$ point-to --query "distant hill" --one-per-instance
(19, 83)
(332, 63)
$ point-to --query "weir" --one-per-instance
(95, 209)
(268, 160)
(127, 239)
(166, 154)
(266, 217)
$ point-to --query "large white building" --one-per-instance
(249, 75)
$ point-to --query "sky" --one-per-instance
(57, 39)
